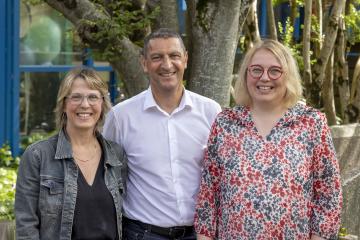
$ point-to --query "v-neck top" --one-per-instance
(95, 215)
(283, 186)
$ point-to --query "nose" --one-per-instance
(265, 76)
(84, 102)
(166, 63)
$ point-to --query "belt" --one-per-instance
(170, 232)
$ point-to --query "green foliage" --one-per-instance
(286, 34)
(6, 158)
(8, 166)
(30, 139)
(343, 232)
(124, 19)
(32, 2)
(7, 193)
(352, 23)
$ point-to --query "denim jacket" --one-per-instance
(46, 187)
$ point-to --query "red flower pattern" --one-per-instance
(286, 186)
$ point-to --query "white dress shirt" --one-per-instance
(165, 155)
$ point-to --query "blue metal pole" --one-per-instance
(181, 15)
(14, 77)
(113, 87)
(2, 72)
(87, 58)
(9, 81)
(263, 19)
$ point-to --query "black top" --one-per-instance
(95, 216)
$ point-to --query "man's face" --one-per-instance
(165, 63)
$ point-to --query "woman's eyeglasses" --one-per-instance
(257, 71)
(77, 98)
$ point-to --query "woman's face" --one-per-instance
(265, 79)
(83, 107)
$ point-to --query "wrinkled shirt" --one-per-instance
(46, 187)
(165, 153)
(284, 186)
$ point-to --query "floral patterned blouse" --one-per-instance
(284, 186)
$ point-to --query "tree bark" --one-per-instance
(306, 43)
(83, 14)
(252, 24)
(293, 12)
(353, 110)
(342, 73)
(168, 14)
(215, 33)
(271, 18)
(319, 16)
(330, 37)
(328, 92)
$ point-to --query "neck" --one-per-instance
(268, 110)
(78, 137)
(168, 101)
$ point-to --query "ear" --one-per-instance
(143, 63)
(185, 58)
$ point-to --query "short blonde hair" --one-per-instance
(291, 74)
(91, 77)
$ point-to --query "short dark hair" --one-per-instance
(161, 33)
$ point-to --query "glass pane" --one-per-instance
(47, 38)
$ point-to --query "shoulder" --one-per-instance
(237, 113)
(308, 113)
(130, 103)
(198, 99)
(41, 148)
(112, 146)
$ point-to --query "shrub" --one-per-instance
(7, 193)
(8, 168)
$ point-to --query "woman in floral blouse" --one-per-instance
(270, 168)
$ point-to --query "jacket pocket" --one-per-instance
(51, 195)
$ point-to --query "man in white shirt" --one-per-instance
(164, 132)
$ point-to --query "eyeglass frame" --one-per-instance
(267, 72)
(72, 101)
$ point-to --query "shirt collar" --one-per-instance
(151, 103)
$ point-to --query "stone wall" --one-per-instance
(347, 143)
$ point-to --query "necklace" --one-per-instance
(92, 155)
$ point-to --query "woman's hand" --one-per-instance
(316, 237)
(202, 237)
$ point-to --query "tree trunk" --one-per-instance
(126, 62)
(306, 43)
(252, 24)
(168, 14)
(271, 18)
(319, 16)
(353, 110)
(342, 80)
(293, 12)
(330, 37)
(328, 92)
(214, 32)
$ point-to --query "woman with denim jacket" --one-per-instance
(70, 186)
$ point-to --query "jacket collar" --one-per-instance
(64, 150)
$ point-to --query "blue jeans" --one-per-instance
(133, 231)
